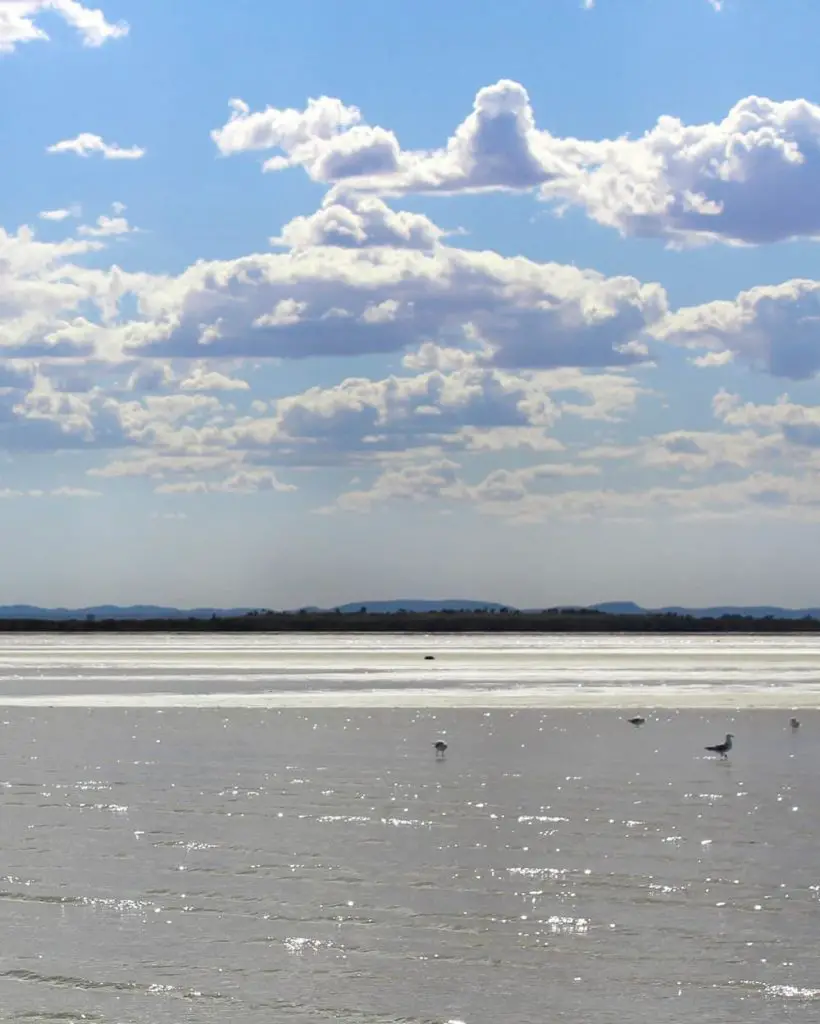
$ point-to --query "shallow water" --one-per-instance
(259, 864)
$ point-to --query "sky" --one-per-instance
(306, 303)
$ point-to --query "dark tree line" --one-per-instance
(505, 621)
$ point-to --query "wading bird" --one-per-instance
(440, 746)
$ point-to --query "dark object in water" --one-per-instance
(794, 723)
(637, 720)
(429, 657)
(440, 746)
(722, 748)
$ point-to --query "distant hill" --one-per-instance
(414, 605)
(715, 612)
(112, 611)
(149, 611)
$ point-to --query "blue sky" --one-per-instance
(316, 302)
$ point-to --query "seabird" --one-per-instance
(440, 746)
(794, 723)
(637, 720)
(722, 748)
(429, 657)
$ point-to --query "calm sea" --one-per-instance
(256, 829)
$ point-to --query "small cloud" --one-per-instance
(85, 144)
(200, 380)
(90, 23)
(169, 516)
(59, 215)
(714, 359)
(75, 492)
(107, 227)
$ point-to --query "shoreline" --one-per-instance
(621, 700)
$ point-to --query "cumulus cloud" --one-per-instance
(774, 328)
(442, 480)
(499, 353)
(353, 221)
(473, 410)
(19, 22)
(496, 147)
(333, 300)
(245, 481)
(539, 493)
(86, 144)
(107, 227)
(758, 494)
(201, 379)
(47, 297)
(749, 178)
(797, 425)
(416, 483)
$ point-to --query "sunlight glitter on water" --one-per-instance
(312, 864)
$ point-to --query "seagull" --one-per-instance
(440, 746)
(637, 720)
(429, 657)
(722, 748)
(794, 723)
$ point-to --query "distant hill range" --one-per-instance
(146, 611)
(609, 607)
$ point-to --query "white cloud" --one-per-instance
(89, 22)
(157, 465)
(75, 492)
(19, 24)
(351, 221)
(797, 424)
(87, 144)
(48, 297)
(497, 146)
(441, 480)
(749, 178)
(327, 300)
(201, 379)
(59, 215)
(538, 494)
(774, 328)
(58, 492)
(244, 481)
(107, 227)
(501, 354)
(285, 129)
(471, 410)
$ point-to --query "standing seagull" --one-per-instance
(794, 723)
(440, 746)
(722, 748)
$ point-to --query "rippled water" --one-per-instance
(316, 863)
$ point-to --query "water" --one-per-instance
(257, 830)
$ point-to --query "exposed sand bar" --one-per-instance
(617, 698)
